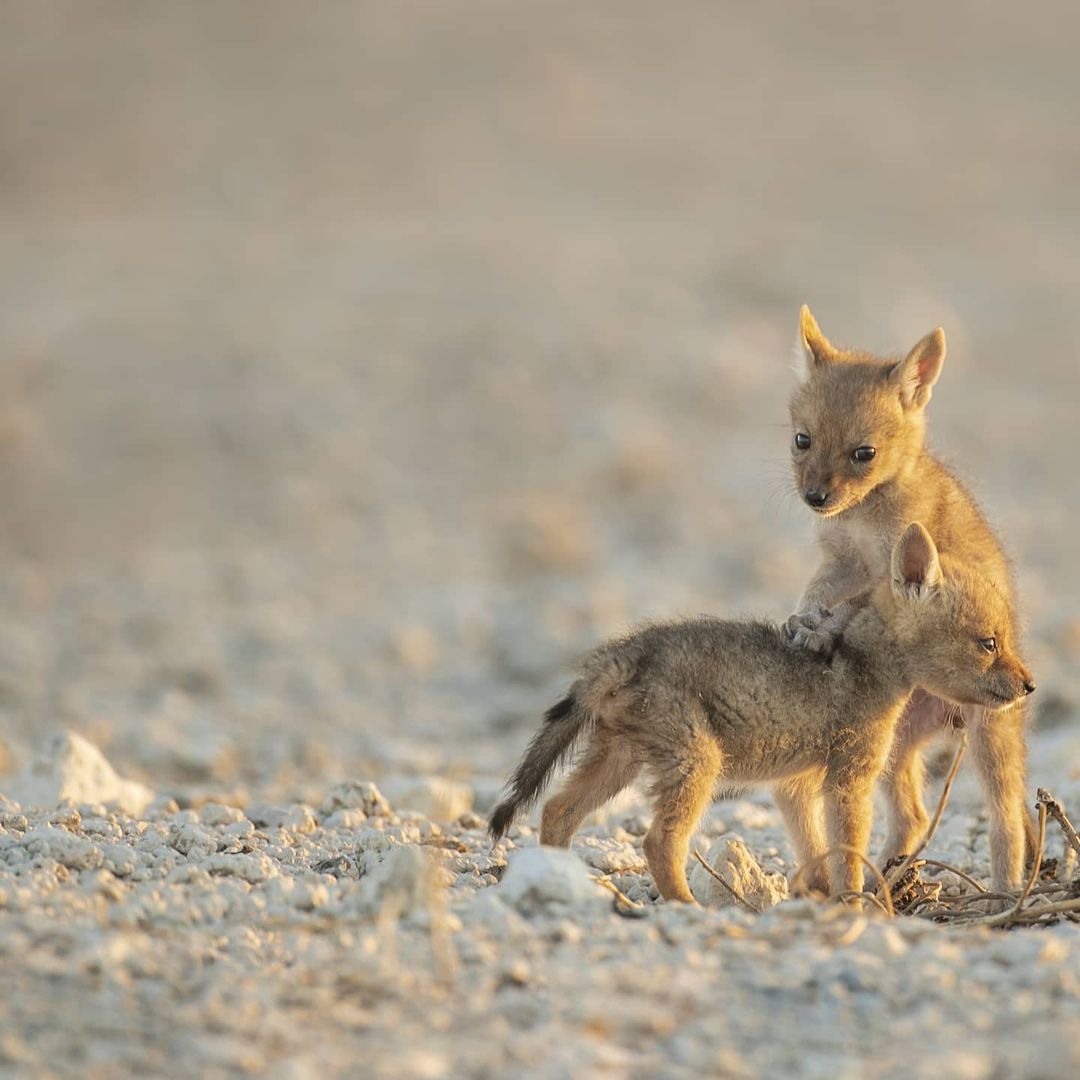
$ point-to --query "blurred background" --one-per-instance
(360, 363)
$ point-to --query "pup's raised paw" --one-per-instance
(813, 618)
(821, 641)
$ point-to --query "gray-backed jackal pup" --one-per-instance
(860, 462)
(712, 702)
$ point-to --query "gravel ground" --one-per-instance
(361, 366)
(303, 940)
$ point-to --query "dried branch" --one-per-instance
(623, 904)
(953, 870)
(865, 894)
(1035, 913)
(714, 873)
(1057, 812)
(1034, 903)
(883, 889)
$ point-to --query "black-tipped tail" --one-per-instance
(502, 817)
(563, 723)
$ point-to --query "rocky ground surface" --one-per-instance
(296, 940)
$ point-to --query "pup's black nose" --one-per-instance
(1029, 686)
(815, 498)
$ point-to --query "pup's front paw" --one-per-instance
(818, 641)
(817, 629)
(808, 620)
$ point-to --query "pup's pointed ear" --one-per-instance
(916, 570)
(813, 350)
(916, 374)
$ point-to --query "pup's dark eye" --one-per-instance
(802, 440)
(989, 644)
(863, 453)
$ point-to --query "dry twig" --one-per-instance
(731, 889)
(883, 888)
(1036, 912)
(1034, 903)
(902, 888)
(953, 870)
(865, 894)
(623, 904)
(1057, 812)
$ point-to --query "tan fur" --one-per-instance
(849, 399)
(710, 702)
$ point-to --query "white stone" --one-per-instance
(250, 868)
(300, 819)
(74, 852)
(218, 814)
(541, 877)
(609, 856)
(731, 858)
(356, 795)
(372, 840)
(433, 796)
(192, 840)
(297, 818)
(346, 819)
(70, 767)
(371, 846)
(120, 859)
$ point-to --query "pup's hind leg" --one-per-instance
(607, 768)
(685, 778)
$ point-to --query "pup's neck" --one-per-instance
(871, 634)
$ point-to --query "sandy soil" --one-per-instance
(361, 367)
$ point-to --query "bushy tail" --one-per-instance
(563, 723)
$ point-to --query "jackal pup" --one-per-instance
(711, 701)
(861, 464)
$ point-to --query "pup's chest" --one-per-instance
(873, 539)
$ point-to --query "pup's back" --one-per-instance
(767, 702)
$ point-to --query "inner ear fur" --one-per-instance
(916, 374)
(916, 569)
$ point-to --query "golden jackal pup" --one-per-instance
(861, 464)
(711, 701)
